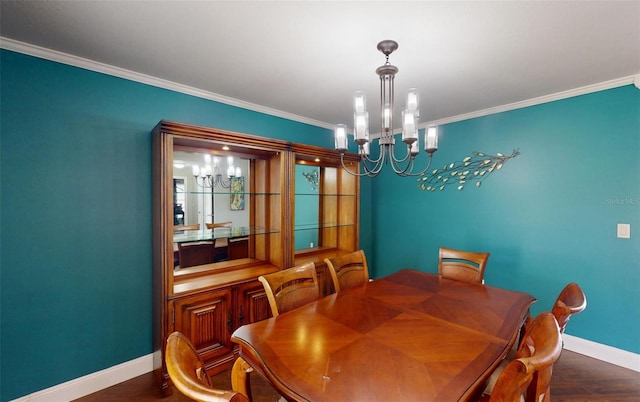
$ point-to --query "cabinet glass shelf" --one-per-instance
(227, 192)
(324, 195)
(232, 232)
(316, 226)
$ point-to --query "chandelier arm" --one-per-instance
(379, 164)
(213, 181)
(374, 170)
(407, 156)
(423, 171)
(395, 162)
(399, 170)
(351, 172)
(203, 185)
(366, 157)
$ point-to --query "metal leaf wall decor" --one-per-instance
(472, 169)
(312, 178)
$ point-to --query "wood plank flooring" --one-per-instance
(576, 378)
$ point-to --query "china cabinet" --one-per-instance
(217, 291)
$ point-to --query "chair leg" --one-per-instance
(240, 379)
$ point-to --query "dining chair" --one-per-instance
(221, 245)
(195, 253)
(291, 288)
(527, 378)
(462, 265)
(570, 301)
(179, 228)
(349, 270)
(187, 373)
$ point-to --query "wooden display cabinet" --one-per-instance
(207, 302)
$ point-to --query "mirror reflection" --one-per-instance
(210, 208)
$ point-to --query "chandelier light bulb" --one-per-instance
(341, 137)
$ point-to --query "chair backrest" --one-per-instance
(570, 301)
(461, 265)
(528, 376)
(195, 253)
(187, 372)
(349, 270)
(219, 225)
(291, 288)
(177, 228)
(222, 242)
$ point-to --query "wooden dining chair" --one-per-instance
(349, 270)
(291, 288)
(187, 373)
(570, 301)
(527, 378)
(179, 228)
(221, 245)
(461, 265)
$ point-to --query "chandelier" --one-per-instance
(210, 175)
(371, 166)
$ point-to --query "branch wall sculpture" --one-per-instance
(472, 169)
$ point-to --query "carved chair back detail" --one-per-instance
(291, 288)
(349, 270)
(462, 265)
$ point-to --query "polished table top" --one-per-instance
(406, 337)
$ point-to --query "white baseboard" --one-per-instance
(95, 382)
(602, 352)
(90, 383)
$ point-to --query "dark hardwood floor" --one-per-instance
(576, 378)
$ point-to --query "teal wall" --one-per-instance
(548, 217)
(307, 205)
(75, 173)
(76, 214)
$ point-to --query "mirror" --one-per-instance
(199, 201)
(211, 207)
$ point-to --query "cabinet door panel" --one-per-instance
(205, 320)
(253, 304)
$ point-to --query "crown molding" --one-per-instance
(615, 83)
(87, 64)
(64, 58)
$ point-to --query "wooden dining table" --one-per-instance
(409, 336)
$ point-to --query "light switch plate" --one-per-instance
(624, 230)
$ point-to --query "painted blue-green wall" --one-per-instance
(76, 214)
(548, 217)
(306, 209)
(75, 260)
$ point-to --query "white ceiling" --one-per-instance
(306, 58)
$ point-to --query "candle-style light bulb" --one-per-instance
(341, 137)
(386, 117)
(361, 127)
(431, 139)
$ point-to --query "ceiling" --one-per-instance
(306, 58)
